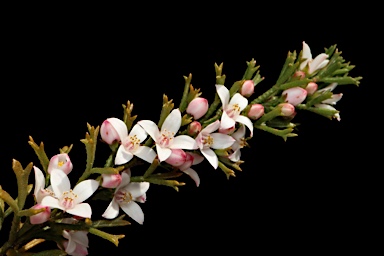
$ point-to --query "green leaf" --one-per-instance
(40, 152)
(111, 223)
(50, 253)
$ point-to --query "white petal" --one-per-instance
(39, 181)
(81, 237)
(196, 158)
(235, 156)
(226, 121)
(122, 156)
(85, 189)
(51, 202)
(60, 182)
(112, 210)
(137, 189)
(125, 179)
(240, 100)
(306, 54)
(139, 132)
(329, 87)
(120, 127)
(221, 141)
(71, 245)
(211, 127)
(183, 142)
(210, 155)
(193, 174)
(151, 128)
(145, 153)
(223, 93)
(83, 210)
(163, 153)
(172, 122)
(133, 210)
(317, 63)
(246, 121)
(239, 133)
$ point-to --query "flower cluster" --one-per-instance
(197, 130)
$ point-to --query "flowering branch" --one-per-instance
(196, 131)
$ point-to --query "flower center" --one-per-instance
(166, 138)
(131, 143)
(233, 110)
(207, 141)
(123, 196)
(68, 199)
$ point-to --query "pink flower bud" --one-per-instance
(188, 162)
(108, 132)
(300, 74)
(62, 162)
(194, 128)
(295, 95)
(287, 109)
(256, 111)
(111, 180)
(42, 216)
(177, 157)
(311, 88)
(197, 107)
(248, 88)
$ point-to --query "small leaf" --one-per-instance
(50, 253)
(112, 238)
(111, 223)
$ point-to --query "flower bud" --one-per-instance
(248, 88)
(287, 109)
(300, 74)
(295, 95)
(197, 107)
(256, 111)
(108, 132)
(41, 217)
(177, 157)
(62, 162)
(311, 88)
(111, 180)
(194, 128)
(188, 162)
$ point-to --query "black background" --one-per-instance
(304, 195)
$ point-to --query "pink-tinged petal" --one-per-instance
(111, 180)
(173, 121)
(183, 142)
(239, 133)
(235, 156)
(62, 162)
(112, 210)
(211, 156)
(85, 189)
(145, 153)
(196, 158)
(122, 156)
(222, 141)
(139, 132)
(80, 250)
(151, 128)
(80, 237)
(51, 202)
(198, 107)
(82, 210)
(142, 198)
(226, 121)
(223, 93)
(42, 216)
(125, 179)
(306, 54)
(334, 99)
(70, 246)
(211, 127)
(163, 153)
(240, 100)
(134, 211)
(39, 181)
(319, 62)
(60, 182)
(246, 121)
(193, 174)
(120, 127)
(137, 189)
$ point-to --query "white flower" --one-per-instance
(130, 144)
(77, 243)
(313, 64)
(232, 108)
(40, 191)
(125, 197)
(69, 200)
(166, 138)
(238, 144)
(208, 140)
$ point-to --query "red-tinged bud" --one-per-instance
(177, 157)
(287, 109)
(197, 107)
(256, 111)
(194, 128)
(295, 95)
(41, 217)
(311, 88)
(300, 74)
(188, 162)
(248, 88)
(109, 130)
(111, 180)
